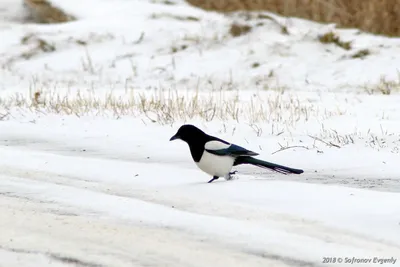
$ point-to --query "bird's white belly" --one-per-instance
(215, 165)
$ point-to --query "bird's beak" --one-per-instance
(174, 138)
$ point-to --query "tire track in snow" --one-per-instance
(32, 236)
(52, 256)
(250, 256)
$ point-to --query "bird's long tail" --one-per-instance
(266, 164)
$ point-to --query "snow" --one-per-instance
(103, 186)
(107, 176)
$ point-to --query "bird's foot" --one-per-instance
(214, 178)
(230, 176)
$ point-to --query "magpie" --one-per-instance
(216, 157)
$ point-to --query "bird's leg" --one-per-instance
(234, 172)
(214, 178)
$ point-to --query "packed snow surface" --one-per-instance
(89, 178)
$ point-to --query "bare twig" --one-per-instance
(140, 39)
(289, 147)
(330, 144)
(147, 116)
(3, 116)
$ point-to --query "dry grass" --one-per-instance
(44, 12)
(377, 141)
(333, 38)
(269, 113)
(167, 107)
(376, 16)
(384, 86)
(361, 54)
(272, 114)
(175, 17)
(239, 29)
(35, 44)
(40, 46)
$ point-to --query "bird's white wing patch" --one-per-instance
(215, 145)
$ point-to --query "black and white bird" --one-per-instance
(217, 157)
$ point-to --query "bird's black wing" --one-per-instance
(219, 148)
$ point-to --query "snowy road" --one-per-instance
(62, 208)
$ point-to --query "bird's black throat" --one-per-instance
(197, 148)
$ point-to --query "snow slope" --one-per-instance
(88, 177)
(150, 44)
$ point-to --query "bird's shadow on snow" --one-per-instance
(238, 178)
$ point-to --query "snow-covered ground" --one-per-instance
(88, 177)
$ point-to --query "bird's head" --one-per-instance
(187, 133)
